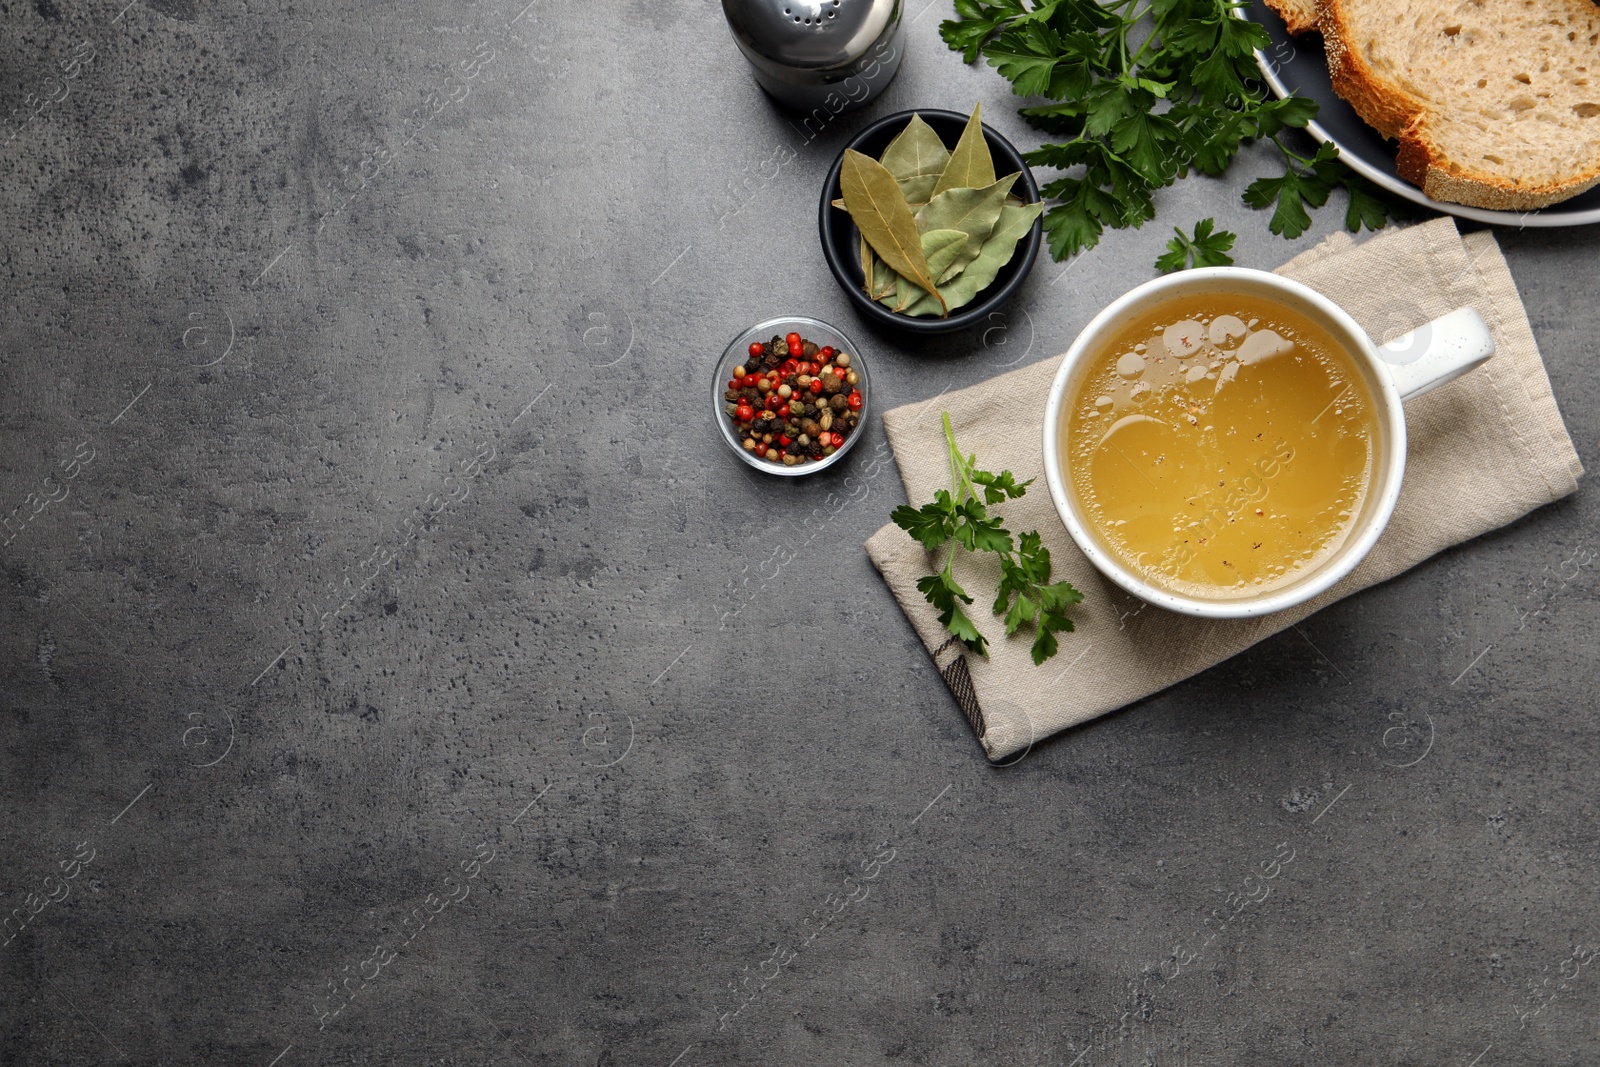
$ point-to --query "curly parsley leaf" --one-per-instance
(1205, 249)
(957, 517)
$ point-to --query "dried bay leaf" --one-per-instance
(884, 280)
(958, 264)
(1013, 226)
(875, 202)
(916, 157)
(940, 248)
(905, 294)
(877, 278)
(971, 166)
(972, 211)
(948, 256)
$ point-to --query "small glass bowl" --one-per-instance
(739, 351)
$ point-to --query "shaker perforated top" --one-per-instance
(810, 34)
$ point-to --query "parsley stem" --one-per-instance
(960, 468)
(1154, 32)
(954, 457)
(1302, 160)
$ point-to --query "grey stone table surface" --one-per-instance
(367, 695)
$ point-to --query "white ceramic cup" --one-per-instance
(1408, 366)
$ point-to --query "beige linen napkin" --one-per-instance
(1483, 451)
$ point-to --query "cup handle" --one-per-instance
(1439, 352)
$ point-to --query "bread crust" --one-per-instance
(1420, 163)
(1382, 107)
(1396, 114)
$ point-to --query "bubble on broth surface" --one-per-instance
(1184, 338)
(1130, 420)
(1263, 344)
(1130, 365)
(1225, 328)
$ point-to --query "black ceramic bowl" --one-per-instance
(840, 239)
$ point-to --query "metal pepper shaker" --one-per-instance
(819, 55)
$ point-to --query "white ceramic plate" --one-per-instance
(1297, 65)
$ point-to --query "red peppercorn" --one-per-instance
(790, 367)
(746, 413)
(816, 385)
(756, 349)
(826, 353)
(795, 350)
(785, 440)
(783, 411)
(836, 439)
(773, 400)
(855, 400)
(792, 339)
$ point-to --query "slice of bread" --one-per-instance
(1496, 103)
(1299, 15)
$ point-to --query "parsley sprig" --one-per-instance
(1205, 249)
(1138, 116)
(959, 516)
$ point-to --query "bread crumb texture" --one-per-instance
(1300, 16)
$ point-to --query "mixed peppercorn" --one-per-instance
(793, 402)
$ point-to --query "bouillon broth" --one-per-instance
(1221, 445)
